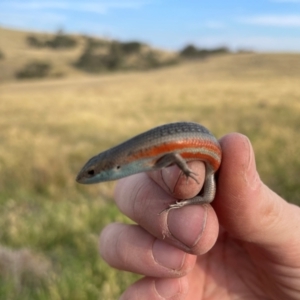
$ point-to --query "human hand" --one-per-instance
(246, 245)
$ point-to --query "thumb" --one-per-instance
(247, 208)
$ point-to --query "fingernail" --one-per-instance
(167, 255)
(196, 216)
(167, 288)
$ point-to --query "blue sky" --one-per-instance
(261, 25)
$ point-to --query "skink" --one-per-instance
(160, 147)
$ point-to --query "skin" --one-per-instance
(245, 245)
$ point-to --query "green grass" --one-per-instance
(50, 225)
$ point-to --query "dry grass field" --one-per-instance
(49, 225)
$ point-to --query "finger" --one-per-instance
(248, 209)
(191, 228)
(131, 248)
(156, 288)
(174, 182)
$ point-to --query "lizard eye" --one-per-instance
(118, 167)
(91, 172)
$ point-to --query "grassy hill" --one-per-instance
(17, 53)
(49, 128)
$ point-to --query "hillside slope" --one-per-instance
(17, 53)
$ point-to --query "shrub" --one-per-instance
(34, 70)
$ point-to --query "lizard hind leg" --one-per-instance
(208, 195)
(176, 158)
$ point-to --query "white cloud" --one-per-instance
(103, 8)
(273, 20)
(100, 7)
(47, 14)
